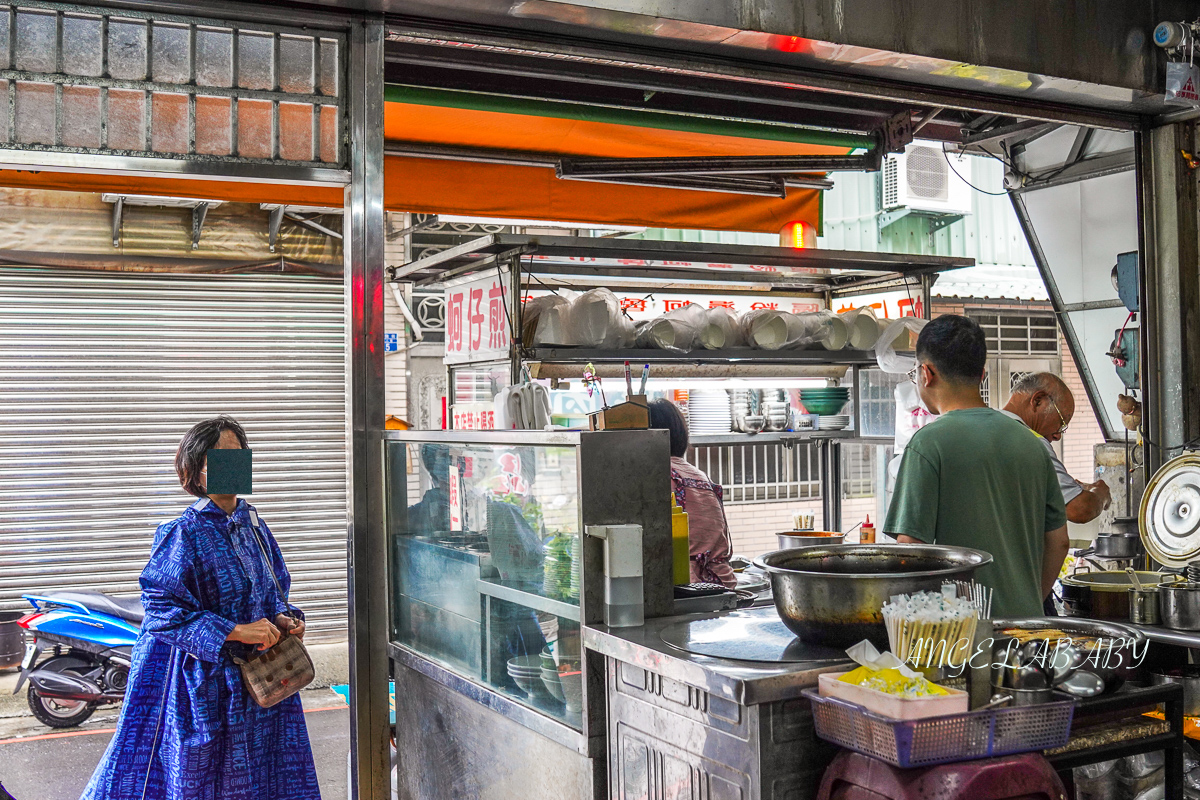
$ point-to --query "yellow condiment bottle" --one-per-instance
(681, 569)
(866, 534)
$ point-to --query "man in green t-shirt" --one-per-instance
(976, 478)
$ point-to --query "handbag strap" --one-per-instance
(254, 531)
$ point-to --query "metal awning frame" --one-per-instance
(564, 253)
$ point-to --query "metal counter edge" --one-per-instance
(746, 683)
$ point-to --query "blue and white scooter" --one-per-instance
(89, 638)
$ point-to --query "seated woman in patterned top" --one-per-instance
(708, 531)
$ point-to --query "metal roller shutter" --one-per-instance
(100, 376)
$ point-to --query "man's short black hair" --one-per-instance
(666, 415)
(955, 346)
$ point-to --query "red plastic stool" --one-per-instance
(1028, 776)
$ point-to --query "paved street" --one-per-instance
(37, 763)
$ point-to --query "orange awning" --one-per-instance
(497, 190)
(557, 129)
(471, 188)
(331, 196)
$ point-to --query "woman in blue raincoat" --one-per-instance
(188, 728)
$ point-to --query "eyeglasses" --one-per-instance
(1063, 420)
(912, 373)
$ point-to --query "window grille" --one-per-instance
(756, 473)
(1016, 334)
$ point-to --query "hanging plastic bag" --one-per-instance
(542, 320)
(1183, 83)
(863, 327)
(595, 320)
(911, 416)
(721, 330)
(677, 331)
(832, 331)
(885, 351)
(767, 329)
(523, 407)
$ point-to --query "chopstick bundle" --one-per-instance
(930, 629)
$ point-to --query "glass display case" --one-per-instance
(492, 574)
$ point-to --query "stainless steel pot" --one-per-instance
(1103, 595)
(833, 595)
(792, 539)
(1179, 605)
(1115, 545)
(1143, 605)
(1189, 678)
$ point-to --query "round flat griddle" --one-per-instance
(752, 635)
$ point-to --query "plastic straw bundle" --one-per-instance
(930, 629)
(980, 597)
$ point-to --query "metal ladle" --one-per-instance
(1083, 684)
(1137, 584)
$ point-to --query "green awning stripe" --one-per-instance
(620, 116)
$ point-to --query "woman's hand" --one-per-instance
(293, 626)
(261, 633)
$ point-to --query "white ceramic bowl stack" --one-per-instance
(833, 423)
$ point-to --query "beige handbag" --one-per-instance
(275, 674)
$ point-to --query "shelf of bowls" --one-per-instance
(720, 406)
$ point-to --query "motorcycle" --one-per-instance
(89, 637)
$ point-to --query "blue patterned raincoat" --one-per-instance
(188, 729)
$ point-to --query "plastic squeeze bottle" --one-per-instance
(866, 534)
(681, 568)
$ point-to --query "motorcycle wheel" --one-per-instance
(61, 713)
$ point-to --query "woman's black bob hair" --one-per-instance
(193, 450)
(666, 415)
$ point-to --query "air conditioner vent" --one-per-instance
(928, 173)
(891, 183)
(925, 179)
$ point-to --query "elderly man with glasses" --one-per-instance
(1044, 403)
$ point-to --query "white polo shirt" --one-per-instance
(1070, 487)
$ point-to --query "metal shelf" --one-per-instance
(563, 362)
(1132, 700)
(1157, 633)
(575, 355)
(521, 597)
(769, 438)
(810, 269)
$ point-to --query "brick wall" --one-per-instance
(1084, 432)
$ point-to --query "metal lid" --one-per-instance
(1170, 514)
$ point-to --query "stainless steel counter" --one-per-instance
(1157, 633)
(687, 725)
(745, 683)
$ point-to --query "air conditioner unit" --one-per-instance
(921, 179)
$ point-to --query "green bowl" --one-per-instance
(825, 408)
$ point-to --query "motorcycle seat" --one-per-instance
(126, 608)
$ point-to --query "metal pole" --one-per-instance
(514, 276)
(364, 261)
(830, 454)
(1168, 318)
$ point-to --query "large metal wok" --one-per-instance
(833, 595)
